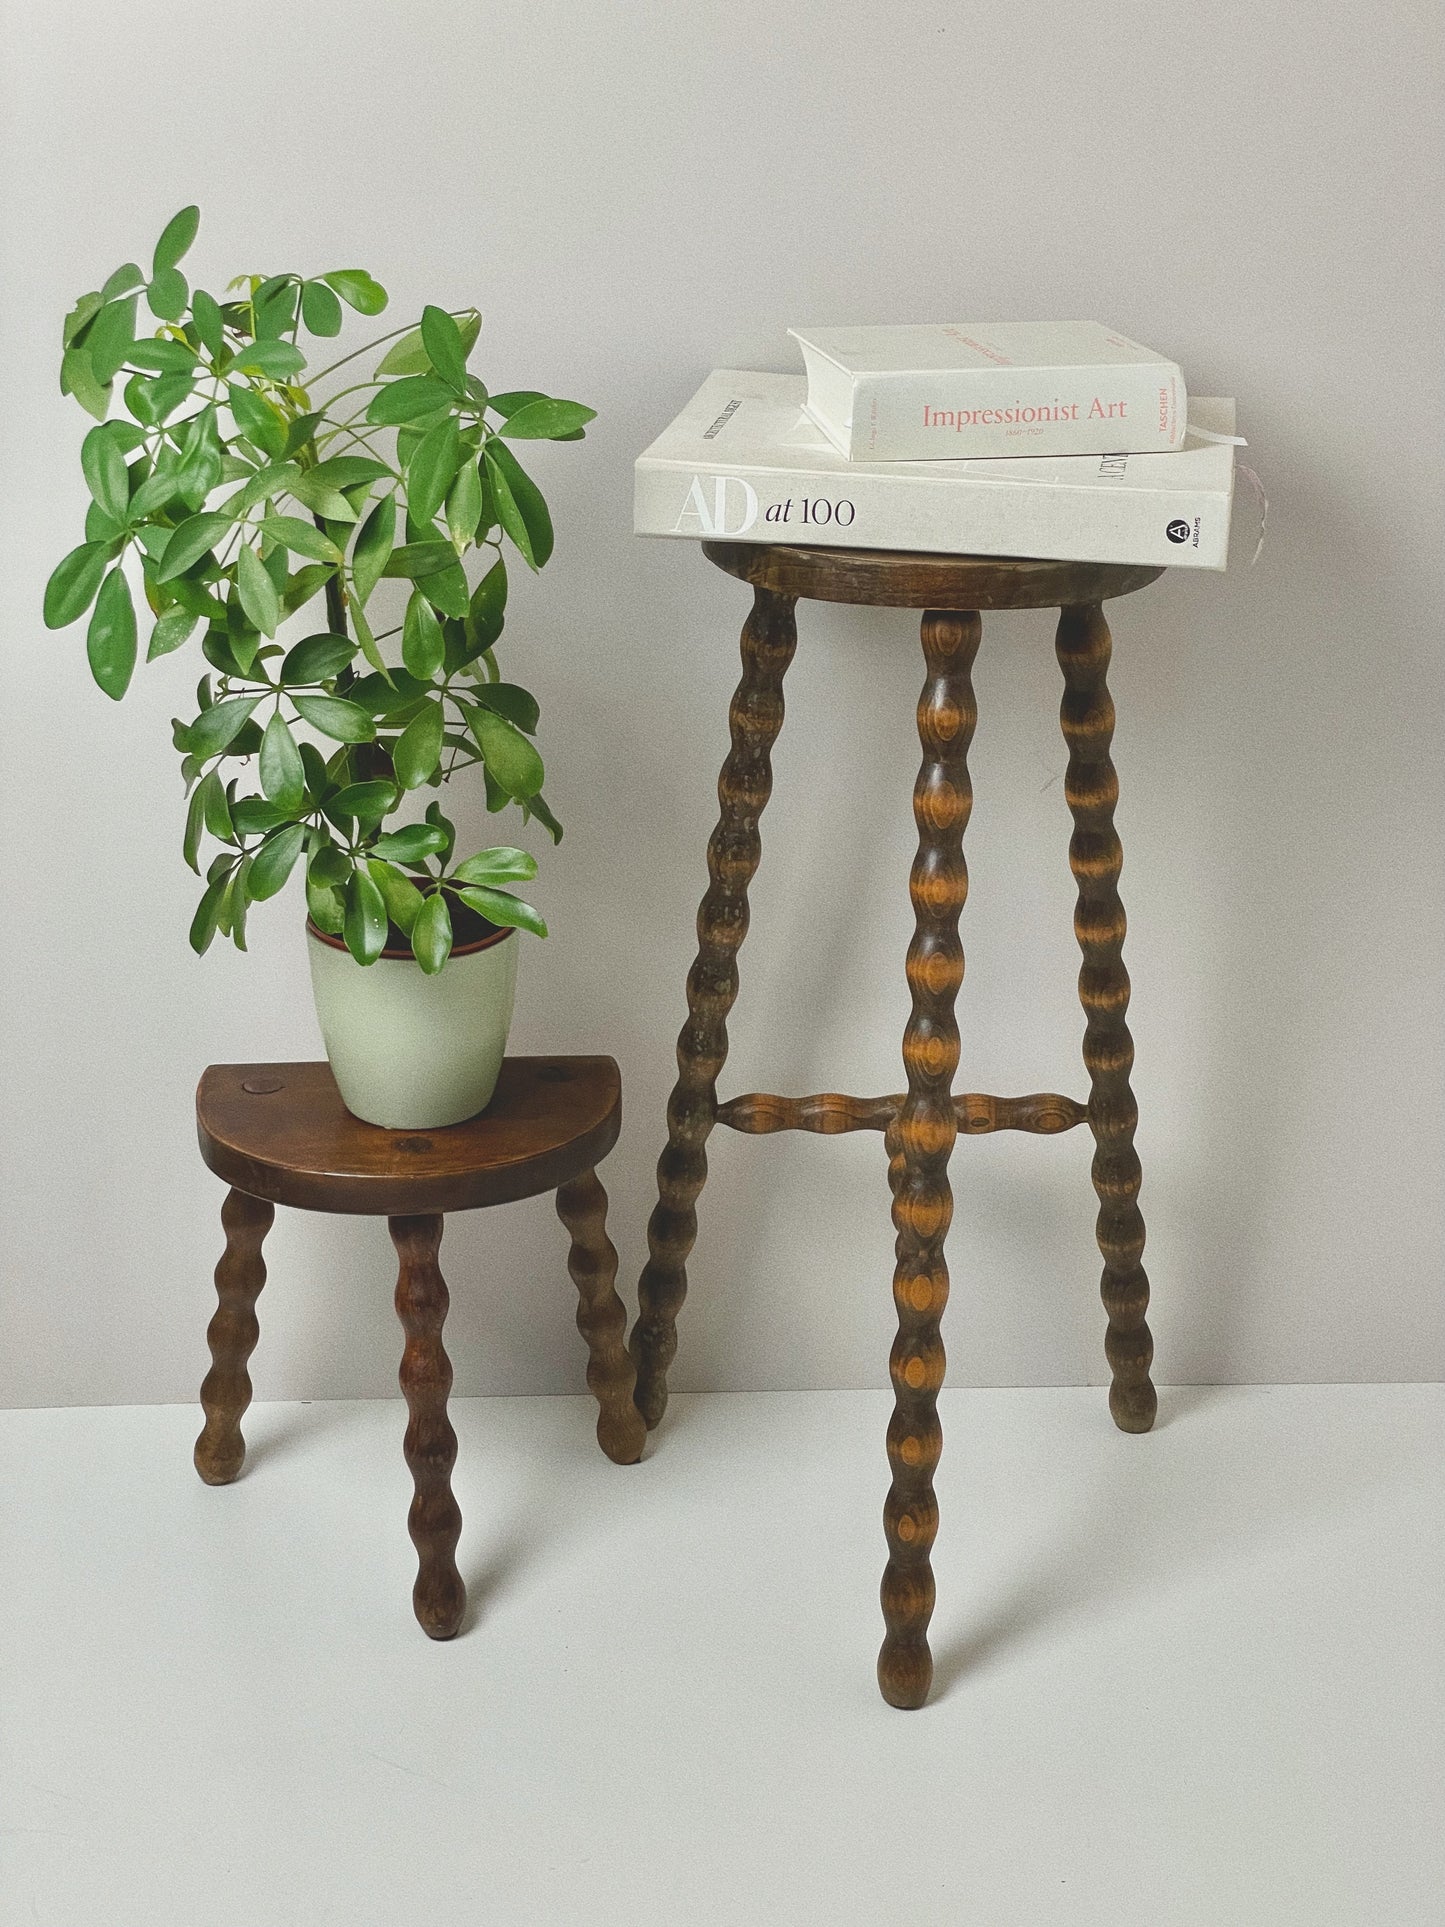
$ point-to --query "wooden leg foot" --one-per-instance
(226, 1390)
(435, 1520)
(601, 1319)
(920, 1141)
(769, 638)
(1096, 858)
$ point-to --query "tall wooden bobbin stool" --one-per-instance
(919, 1126)
(279, 1134)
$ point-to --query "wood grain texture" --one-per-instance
(923, 1132)
(220, 1450)
(898, 580)
(760, 1113)
(1096, 858)
(290, 1138)
(430, 1445)
(601, 1318)
(768, 640)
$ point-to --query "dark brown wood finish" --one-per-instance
(890, 579)
(926, 1128)
(1096, 857)
(760, 1113)
(281, 1131)
(601, 1318)
(919, 1127)
(430, 1444)
(733, 853)
(232, 1334)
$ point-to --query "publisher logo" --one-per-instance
(1178, 531)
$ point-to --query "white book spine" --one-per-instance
(1175, 527)
(960, 414)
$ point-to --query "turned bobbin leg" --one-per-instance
(601, 1318)
(1096, 857)
(232, 1334)
(430, 1446)
(768, 640)
(919, 1143)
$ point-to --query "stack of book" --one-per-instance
(1062, 440)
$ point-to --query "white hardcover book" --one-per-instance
(950, 391)
(743, 462)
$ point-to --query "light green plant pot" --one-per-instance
(412, 1052)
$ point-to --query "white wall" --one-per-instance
(634, 193)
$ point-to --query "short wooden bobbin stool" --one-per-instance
(919, 1126)
(279, 1134)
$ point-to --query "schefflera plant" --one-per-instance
(242, 497)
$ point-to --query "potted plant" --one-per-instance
(242, 496)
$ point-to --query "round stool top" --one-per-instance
(894, 579)
(281, 1131)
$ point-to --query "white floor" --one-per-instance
(1190, 1678)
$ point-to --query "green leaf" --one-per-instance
(364, 802)
(301, 430)
(430, 471)
(301, 538)
(329, 865)
(173, 629)
(416, 560)
(320, 309)
(73, 583)
(274, 861)
(485, 611)
(402, 898)
(122, 281)
(324, 500)
(500, 865)
(501, 907)
(345, 471)
(413, 843)
(417, 751)
(407, 400)
(176, 237)
(77, 377)
(373, 547)
(208, 912)
(509, 699)
(446, 589)
(344, 722)
(258, 592)
(233, 904)
(507, 405)
(215, 728)
(268, 482)
(323, 906)
(431, 934)
(520, 506)
(89, 305)
(512, 760)
(546, 419)
(195, 823)
(103, 464)
(409, 356)
(190, 540)
(422, 645)
(364, 924)
(274, 307)
(282, 777)
(210, 323)
(315, 658)
(357, 289)
(110, 642)
(304, 584)
(275, 358)
(443, 342)
(111, 337)
(163, 355)
(167, 295)
(370, 648)
(217, 807)
(200, 465)
(464, 505)
(257, 420)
